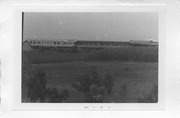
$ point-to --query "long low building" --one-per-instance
(101, 44)
(143, 43)
(72, 43)
(50, 43)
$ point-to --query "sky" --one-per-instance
(101, 26)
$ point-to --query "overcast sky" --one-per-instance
(91, 26)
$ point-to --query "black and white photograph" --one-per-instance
(89, 57)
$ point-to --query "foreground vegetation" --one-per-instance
(126, 75)
(127, 81)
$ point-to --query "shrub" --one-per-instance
(95, 87)
(152, 97)
(55, 97)
(96, 93)
(108, 82)
(38, 92)
(26, 76)
(83, 84)
(37, 87)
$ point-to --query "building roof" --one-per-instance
(26, 43)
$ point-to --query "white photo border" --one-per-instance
(14, 91)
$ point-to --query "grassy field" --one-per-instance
(134, 69)
(132, 79)
(138, 54)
